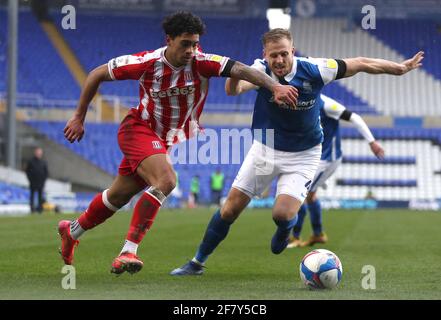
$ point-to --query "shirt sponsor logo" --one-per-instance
(301, 105)
(305, 105)
(172, 92)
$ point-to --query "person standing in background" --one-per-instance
(195, 188)
(217, 185)
(37, 173)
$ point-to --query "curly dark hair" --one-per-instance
(183, 22)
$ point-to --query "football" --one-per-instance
(321, 269)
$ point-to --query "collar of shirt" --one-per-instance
(291, 75)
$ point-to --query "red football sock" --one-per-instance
(99, 210)
(143, 216)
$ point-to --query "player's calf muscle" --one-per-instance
(122, 190)
(119, 198)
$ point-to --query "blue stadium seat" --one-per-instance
(408, 36)
(99, 38)
(41, 71)
(377, 182)
(374, 160)
(99, 146)
(12, 194)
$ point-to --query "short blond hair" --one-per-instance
(276, 35)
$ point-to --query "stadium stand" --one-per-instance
(100, 146)
(11, 194)
(42, 74)
(414, 179)
(406, 35)
(330, 37)
(412, 155)
(50, 80)
(14, 194)
(377, 182)
(373, 160)
(412, 151)
(110, 36)
(3, 45)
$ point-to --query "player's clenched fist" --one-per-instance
(285, 95)
(74, 129)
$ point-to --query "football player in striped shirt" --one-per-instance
(173, 86)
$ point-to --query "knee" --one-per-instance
(230, 211)
(279, 213)
(284, 212)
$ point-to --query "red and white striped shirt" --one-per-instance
(171, 99)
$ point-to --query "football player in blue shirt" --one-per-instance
(292, 153)
(331, 112)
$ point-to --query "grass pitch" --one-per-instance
(403, 246)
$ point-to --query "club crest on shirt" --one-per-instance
(188, 76)
(156, 145)
(307, 87)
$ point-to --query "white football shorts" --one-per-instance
(324, 171)
(294, 170)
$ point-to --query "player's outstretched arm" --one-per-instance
(283, 94)
(74, 129)
(364, 130)
(234, 87)
(381, 66)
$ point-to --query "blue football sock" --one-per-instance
(217, 230)
(284, 227)
(279, 240)
(300, 218)
(315, 210)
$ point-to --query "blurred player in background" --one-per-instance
(173, 87)
(296, 152)
(331, 112)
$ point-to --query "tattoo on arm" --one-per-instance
(256, 77)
